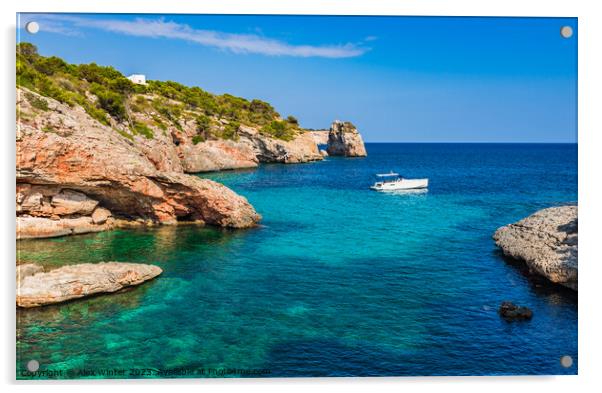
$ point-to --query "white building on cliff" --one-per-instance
(139, 79)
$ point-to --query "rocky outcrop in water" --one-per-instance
(345, 140)
(546, 241)
(69, 166)
(511, 312)
(37, 288)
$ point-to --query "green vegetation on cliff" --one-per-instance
(112, 99)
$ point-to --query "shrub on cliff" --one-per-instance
(292, 120)
(36, 102)
(197, 139)
(51, 65)
(279, 129)
(110, 101)
(142, 129)
(203, 126)
(27, 50)
(231, 130)
(203, 123)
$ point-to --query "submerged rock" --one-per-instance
(39, 288)
(546, 241)
(511, 312)
(345, 140)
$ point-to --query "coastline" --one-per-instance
(147, 191)
(155, 218)
(268, 285)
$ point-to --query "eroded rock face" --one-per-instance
(100, 215)
(68, 202)
(302, 148)
(161, 152)
(77, 281)
(217, 155)
(345, 140)
(546, 241)
(68, 165)
(320, 136)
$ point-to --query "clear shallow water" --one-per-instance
(338, 281)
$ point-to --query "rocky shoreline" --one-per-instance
(547, 242)
(76, 175)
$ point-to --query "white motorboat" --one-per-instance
(392, 182)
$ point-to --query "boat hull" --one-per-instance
(404, 184)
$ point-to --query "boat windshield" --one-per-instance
(389, 177)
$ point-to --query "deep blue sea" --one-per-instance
(338, 280)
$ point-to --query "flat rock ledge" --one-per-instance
(38, 288)
(547, 242)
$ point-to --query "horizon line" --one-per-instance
(475, 142)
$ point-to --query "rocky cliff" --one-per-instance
(547, 242)
(345, 140)
(95, 151)
(250, 148)
(320, 136)
(76, 175)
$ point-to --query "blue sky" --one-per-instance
(399, 79)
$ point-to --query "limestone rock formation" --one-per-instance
(100, 215)
(248, 151)
(302, 148)
(320, 136)
(27, 269)
(68, 202)
(345, 140)
(546, 241)
(41, 227)
(77, 281)
(217, 155)
(69, 165)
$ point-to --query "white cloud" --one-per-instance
(235, 43)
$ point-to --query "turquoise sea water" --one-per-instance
(338, 281)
